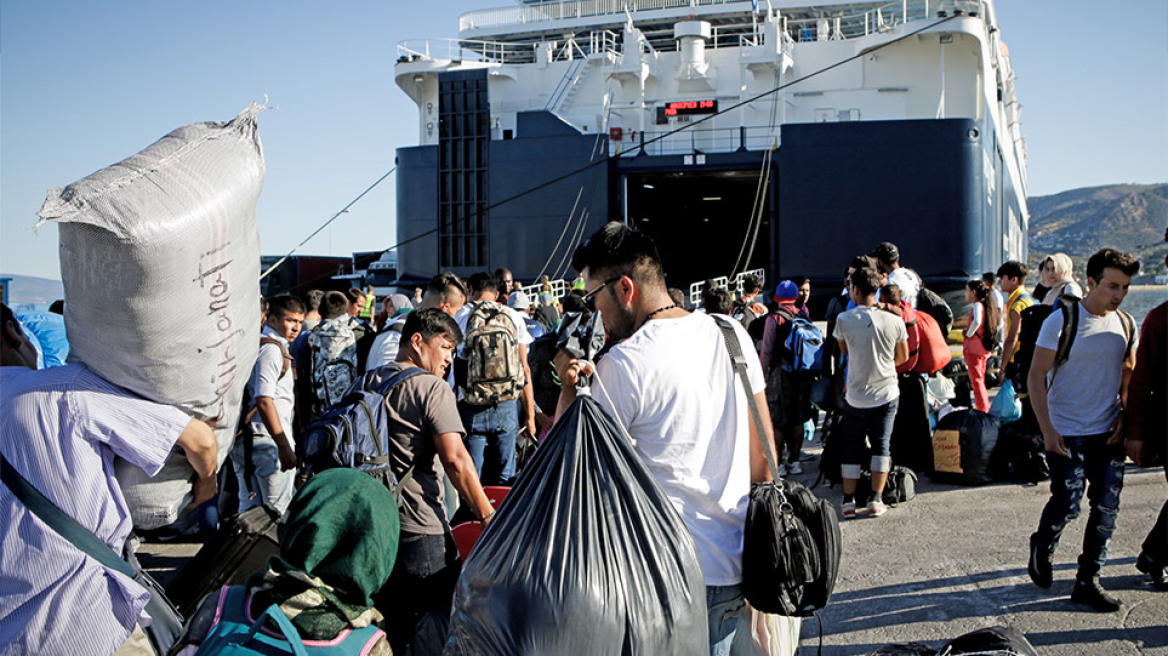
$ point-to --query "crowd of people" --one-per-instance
(469, 374)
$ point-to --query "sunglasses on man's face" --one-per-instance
(590, 297)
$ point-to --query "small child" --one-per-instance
(890, 297)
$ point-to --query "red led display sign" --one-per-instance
(684, 107)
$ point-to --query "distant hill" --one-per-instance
(29, 289)
(1079, 222)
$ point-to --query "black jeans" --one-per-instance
(416, 600)
(1156, 544)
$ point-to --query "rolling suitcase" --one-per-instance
(239, 549)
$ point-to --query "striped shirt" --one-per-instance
(61, 428)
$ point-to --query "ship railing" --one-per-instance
(559, 289)
(465, 50)
(844, 25)
(733, 284)
(596, 42)
(693, 141)
(552, 11)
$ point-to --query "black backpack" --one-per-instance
(928, 301)
(801, 572)
(901, 486)
(1032, 320)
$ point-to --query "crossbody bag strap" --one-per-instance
(63, 524)
(738, 360)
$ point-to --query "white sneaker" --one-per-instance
(876, 508)
(849, 510)
(794, 468)
(783, 471)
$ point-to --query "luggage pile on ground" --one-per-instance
(963, 446)
(171, 227)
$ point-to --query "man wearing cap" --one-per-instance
(788, 392)
(889, 258)
(519, 302)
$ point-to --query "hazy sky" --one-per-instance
(86, 84)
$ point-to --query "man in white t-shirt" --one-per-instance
(444, 292)
(671, 384)
(1079, 407)
(270, 477)
(875, 342)
(889, 258)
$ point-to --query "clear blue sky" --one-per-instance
(86, 84)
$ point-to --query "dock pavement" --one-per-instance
(953, 560)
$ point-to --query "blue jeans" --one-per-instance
(490, 439)
(272, 486)
(725, 606)
(1093, 464)
(874, 424)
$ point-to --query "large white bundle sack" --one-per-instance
(160, 261)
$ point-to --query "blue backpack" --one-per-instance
(354, 433)
(803, 345)
(273, 633)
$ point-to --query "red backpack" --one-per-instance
(934, 350)
(914, 337)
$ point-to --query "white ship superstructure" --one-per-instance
(866, 121)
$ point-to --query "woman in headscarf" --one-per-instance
(1062, 284)
(337, 547)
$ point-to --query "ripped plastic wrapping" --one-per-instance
(586, 556)
(160, 261)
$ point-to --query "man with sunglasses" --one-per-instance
(671, 384)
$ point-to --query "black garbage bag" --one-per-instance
(963, 445)
(996, 640)
(910, 443)
(586, 556)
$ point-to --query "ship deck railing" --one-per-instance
(853, 16)
(699, 140)
(735, 285)
(560, 287)
(838, 23)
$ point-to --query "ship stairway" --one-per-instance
(566, 87)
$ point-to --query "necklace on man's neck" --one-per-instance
(658, 311)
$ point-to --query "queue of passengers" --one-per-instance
(354, 571)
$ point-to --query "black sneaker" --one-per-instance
(1040, 568)
(1154, 570)
(1093, 595)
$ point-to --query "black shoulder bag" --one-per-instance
(166, 622)
(791, 550)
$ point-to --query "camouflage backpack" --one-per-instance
(494, 370)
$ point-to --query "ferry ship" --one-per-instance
(740, 134)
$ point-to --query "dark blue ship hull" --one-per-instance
(936, 188)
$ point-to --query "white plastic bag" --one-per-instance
(763, 634)
(160, 261)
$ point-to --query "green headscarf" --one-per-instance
(338, 544)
